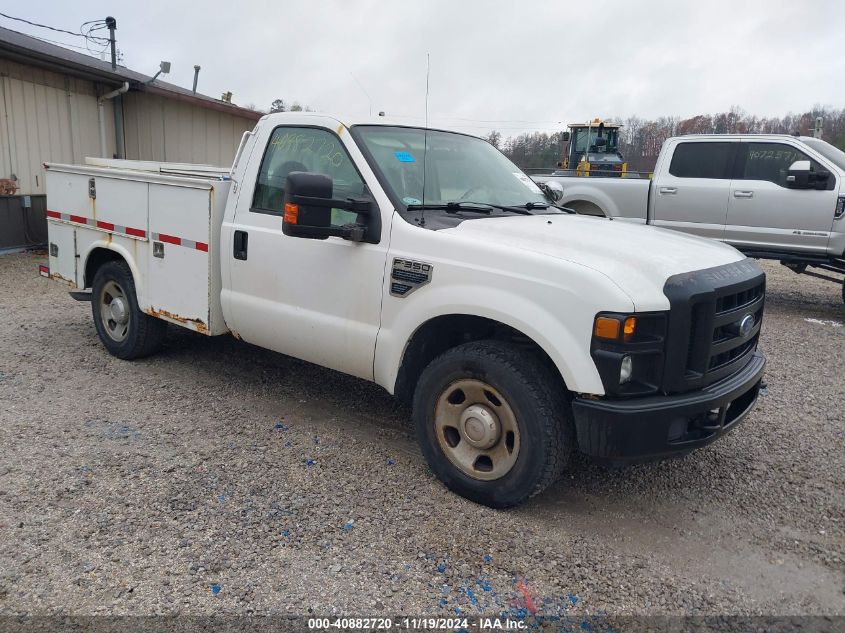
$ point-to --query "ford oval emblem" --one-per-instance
(746, 325)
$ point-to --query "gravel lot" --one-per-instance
(220, 478)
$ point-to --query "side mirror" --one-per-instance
(802, 176)
(553, 190)
(565, 137)
(308, 208)
(798, 176)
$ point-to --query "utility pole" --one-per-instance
(117, 104)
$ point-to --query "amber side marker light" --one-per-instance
(291, 213)
(607, 328)
(610, 328)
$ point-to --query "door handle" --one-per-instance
(668, 190)
(240, 244)
(743, 194)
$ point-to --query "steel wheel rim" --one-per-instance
(114, 311)
(476, 429)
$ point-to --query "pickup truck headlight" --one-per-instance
(628, 350)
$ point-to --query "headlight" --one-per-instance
(628, 350)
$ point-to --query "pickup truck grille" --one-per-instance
(728, 344)
(714, 324)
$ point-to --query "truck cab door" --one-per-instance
(765, 214)
(691, 195)
(314, 299)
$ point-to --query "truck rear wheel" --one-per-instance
(493, 422)
(124, 329)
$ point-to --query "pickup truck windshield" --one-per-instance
(458, 168)
(833, 154)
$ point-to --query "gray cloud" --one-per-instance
(512, 66)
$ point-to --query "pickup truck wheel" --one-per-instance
(123, 328)
(493, 423)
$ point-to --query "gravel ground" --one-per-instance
(220, 478)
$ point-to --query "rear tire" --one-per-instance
(125, 331)
(493, 422)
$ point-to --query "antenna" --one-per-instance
(425, 135)
(367, 94)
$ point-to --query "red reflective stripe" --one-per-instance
(108, 226)
(79, 219)
(202, 247)
(170, 239)
(54, 214)
(44, 269)
(135, 232)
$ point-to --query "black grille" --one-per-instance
(705, 341)
(728, 343)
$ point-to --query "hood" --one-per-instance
(638, 258)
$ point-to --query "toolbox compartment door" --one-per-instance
(178, 260)
(62, 250)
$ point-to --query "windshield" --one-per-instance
(611, 137)
(833, 154)
(458, 168)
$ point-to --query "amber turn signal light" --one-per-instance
(607, 328)
(629, 328)
(291, 213)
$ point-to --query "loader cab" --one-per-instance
(593, 149)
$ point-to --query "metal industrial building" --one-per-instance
(57, 105)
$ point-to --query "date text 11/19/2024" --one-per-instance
(417, 624)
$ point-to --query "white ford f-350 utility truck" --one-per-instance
(427, 262)
(770, 196)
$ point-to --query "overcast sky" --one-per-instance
(513, 66)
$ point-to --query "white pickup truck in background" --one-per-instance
(770, 196)
(518, 331)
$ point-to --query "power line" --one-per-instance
(52, 28)
(44, 39)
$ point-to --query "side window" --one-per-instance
(305, 149)
(771, 161)
(702, 160)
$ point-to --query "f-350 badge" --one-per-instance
(408, 275)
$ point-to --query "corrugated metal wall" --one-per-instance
(50, 117)
(157, 128)
(46, 117)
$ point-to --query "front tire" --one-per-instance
(125, 331)
(493, 422)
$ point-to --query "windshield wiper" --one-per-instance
(455, 207)
(481, 207)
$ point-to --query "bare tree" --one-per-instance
(640, 140)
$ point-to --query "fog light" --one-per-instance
(625, 369)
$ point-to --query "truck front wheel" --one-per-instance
(123, 328)
(493, 422)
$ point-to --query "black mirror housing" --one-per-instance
(802, 176)
(302, 219)
(308, 205)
